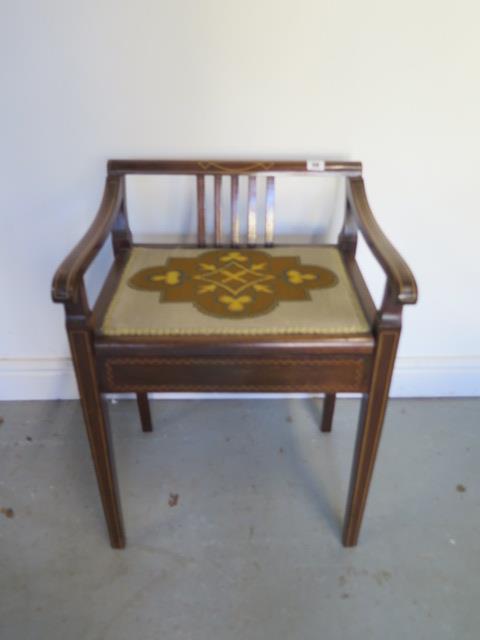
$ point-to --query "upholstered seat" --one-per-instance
(291, 290)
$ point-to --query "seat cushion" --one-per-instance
(290, 290)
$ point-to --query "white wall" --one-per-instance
(394, 84)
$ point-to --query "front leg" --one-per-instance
(98, 431)
(372, 414)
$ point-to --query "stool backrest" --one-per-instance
(232, 171)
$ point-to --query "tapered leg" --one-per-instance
(144, 410)
(369, 431)
(327, 417)
(98, 430)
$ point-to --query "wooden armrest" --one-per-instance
(398, 272)
(68, 277)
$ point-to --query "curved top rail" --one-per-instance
(229, 167)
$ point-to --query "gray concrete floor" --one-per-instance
(252, 548)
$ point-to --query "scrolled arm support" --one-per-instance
(401, 286)
(67, 285)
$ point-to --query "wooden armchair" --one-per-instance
(234, 317)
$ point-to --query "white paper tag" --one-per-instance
(315, 165)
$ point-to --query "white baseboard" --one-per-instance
(53, 379)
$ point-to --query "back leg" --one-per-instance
(144, 410)
(327, 417)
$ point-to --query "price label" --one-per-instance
(315, 165)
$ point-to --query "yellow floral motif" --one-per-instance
(295, 277)
(234, 255)
(171, 277)
(207, 288)
(235, 304)
(262, 288)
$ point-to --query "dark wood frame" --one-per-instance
(317, 364)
